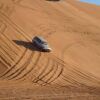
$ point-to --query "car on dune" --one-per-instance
(41, 43)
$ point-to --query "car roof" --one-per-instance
(40, 38)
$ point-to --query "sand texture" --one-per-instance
(71, 71)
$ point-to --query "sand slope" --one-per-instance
(72, 30)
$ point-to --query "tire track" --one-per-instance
(17, 30)
(13, 65)
(71, 77)
(15, 26)
(3, 27)
(7, 46)
(83, 75)
(79, 80)
(18, 65)
(56, 77)
(7, 54)
(49, 81)
(61, 65)
(5, 58)
(36, 62)
(86, 75)
(11, 42)
(68, 80)
(4, 36)
(31, 65)
(7, 63)
(21, 69)
(58, 60)
(6, 8)
(74, 81)
(71, 80)
(44, 74)
(79, 73)
(3, 63)
(44, 69)
(52, 74)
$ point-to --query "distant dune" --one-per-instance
(71, 71)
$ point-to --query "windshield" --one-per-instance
(42, 41)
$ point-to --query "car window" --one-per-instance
(41, 41)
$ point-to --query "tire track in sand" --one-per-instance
(18, 71)
(30, 70)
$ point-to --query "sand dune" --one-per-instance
(71, 71)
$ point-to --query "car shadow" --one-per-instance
(28, 45)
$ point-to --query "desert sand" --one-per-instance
(71, 71)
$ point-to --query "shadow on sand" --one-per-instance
(28, 45)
